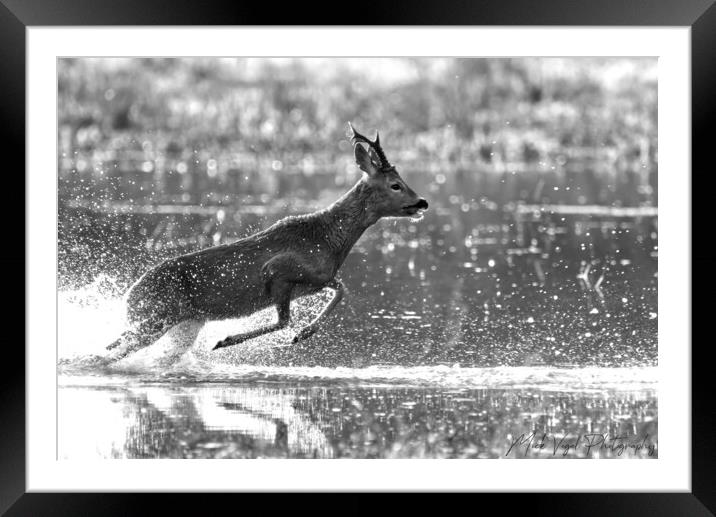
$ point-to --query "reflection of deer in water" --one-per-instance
(298, 255)
(245, 421)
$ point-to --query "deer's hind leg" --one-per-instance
(140, 336)
(154, 304)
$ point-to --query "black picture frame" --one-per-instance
(17, 15)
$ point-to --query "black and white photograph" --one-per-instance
(357, 258)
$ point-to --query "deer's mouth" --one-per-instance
(416, 207)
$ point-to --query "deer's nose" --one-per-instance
(422, 204)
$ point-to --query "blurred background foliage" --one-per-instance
(217, 131)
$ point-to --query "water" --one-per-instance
(320, 419)
(458, 335)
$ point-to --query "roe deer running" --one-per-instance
(298, 255)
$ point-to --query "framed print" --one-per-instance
(430, 239)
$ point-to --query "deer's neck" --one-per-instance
(348, 218)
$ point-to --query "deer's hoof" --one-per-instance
(223, 343)
(304, 333)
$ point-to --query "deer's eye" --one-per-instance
(395, 186)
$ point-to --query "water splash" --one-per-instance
(89, 318)
(92, 317)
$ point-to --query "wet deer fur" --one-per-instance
(296, 256)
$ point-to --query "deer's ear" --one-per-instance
(364, 161)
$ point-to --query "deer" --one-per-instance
(297, 256)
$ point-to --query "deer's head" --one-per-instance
(389, 195)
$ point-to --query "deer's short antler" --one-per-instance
(373, 144)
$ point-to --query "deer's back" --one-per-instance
(226, 280)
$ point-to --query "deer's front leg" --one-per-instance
(279, 290)
(311, 328)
